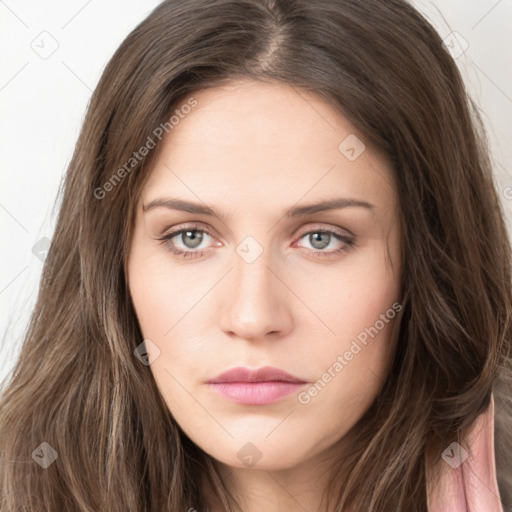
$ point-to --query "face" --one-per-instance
(254, 275)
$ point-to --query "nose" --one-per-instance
(256, 302)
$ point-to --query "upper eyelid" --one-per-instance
(324, 227)
(198, 226)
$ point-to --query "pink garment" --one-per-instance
(468, 479)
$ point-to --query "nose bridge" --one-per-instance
(254, 280)
(254, 303)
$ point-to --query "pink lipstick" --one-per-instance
(255, 387)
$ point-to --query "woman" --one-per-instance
(279, 280)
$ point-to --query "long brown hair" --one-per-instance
(77, 385)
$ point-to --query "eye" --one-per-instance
(191, 241)
(320, 238)
(188, 239)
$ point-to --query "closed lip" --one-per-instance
(264, 374)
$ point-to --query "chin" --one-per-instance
(258, 454)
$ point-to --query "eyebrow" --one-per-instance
(296, 211)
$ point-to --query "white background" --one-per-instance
(43, 101)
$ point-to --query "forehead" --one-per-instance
(264, 142)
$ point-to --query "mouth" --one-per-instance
(256, 387)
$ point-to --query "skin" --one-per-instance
(252, 151)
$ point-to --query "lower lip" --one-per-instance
(256, 393)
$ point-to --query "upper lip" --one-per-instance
(264, 374)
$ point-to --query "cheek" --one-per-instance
(351, 366)
(153, 303)
(355, 295)
(161, 294)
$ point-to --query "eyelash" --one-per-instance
(166, 241)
